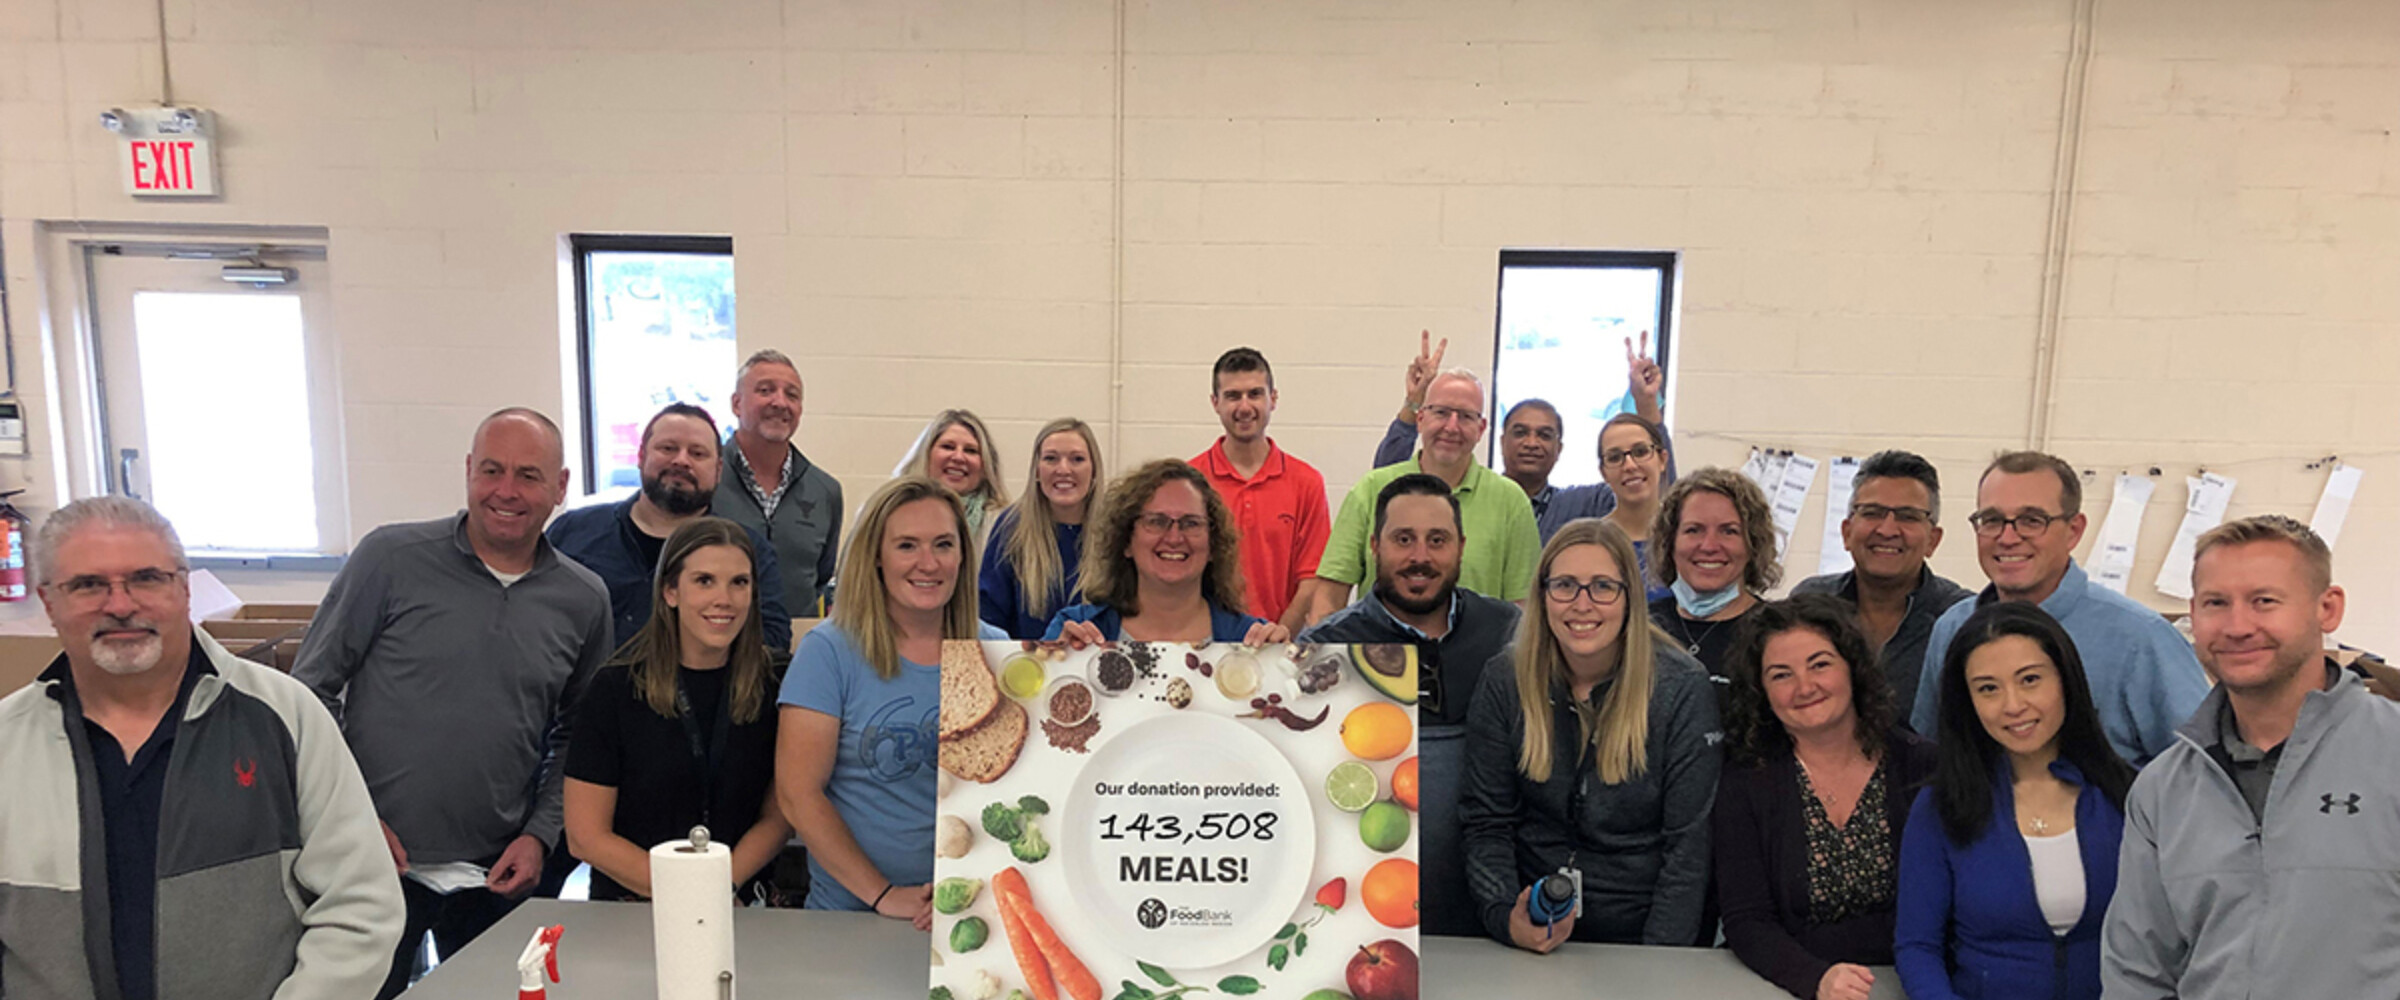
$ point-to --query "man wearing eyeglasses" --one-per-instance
(1531, 433)
(1502, 541)
(1417, 600)
(1893, 526)
(175, 821)
(2028, 518)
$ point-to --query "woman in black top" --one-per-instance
(679, 730)
(1715, 549)
(1812, 802)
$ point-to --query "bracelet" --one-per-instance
(887, 890)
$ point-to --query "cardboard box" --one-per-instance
(23, 658)
(274, 612)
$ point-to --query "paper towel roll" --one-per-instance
(691, 912)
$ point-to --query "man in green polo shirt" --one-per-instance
(1502, 542)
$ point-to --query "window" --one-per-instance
(212, 394)
(654, 324)
(1564, 319)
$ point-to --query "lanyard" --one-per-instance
(708, 752)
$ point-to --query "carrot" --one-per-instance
(1072, 975)
(1029, 955)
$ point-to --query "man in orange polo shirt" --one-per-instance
(1278, 501)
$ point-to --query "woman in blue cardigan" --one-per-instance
(2010, 856)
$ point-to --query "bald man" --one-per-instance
(453, 651)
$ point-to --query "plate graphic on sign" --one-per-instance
(1190, 828)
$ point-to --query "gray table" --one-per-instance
(606, 955)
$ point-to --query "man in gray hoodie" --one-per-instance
(2262, 849)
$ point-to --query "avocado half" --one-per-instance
(1390, 666)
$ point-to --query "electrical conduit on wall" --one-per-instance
(2059, 237)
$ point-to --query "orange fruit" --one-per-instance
(1389, 892)
(1404, 783)
(1377, 730)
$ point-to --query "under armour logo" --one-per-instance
(2350, 803)
(245, 773)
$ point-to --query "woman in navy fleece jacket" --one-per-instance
(2010, 857)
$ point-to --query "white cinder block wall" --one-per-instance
(969, 202)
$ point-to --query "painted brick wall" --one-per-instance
(923, 197)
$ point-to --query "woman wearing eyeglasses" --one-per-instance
(1636, 466)
(1590, 748)
(1718, 558)
(1813, 802)
(1161, 563)
(2010, 858)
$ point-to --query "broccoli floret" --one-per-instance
(940, 993)
(1030, 846)
(1032, 805)
(969, 934)
(952, 895)
(1002, 821)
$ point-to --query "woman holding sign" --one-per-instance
(1591, 763)
(679, 730)
(1163, 564)
(854, 764)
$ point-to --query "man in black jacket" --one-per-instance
(1892, 527)
(1417, 600)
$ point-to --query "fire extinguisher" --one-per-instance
(12, 557)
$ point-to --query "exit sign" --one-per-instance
(166, 152)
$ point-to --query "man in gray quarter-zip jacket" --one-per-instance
(2262, 850)
(175, 822)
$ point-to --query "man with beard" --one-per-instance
(177, 822)
(1501, 541)
(1417, 600)
(621, 541)
(768, 486)
(453, 652)
(2262, 850)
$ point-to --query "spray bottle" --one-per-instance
(540, 955)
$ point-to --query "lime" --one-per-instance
(1352, 786)
(1383, 827)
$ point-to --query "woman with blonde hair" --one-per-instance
(1035, 561)
(1163, 564)
(855, 760)
(1590, 748)
(955, 450)
(679, 729)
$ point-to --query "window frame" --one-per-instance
(1662, 338)
(580, 247)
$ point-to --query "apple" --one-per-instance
(1385, 970)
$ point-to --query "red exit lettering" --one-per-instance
(162, 165)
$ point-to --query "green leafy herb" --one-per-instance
(1240, 986)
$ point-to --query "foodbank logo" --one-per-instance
(1152, 914)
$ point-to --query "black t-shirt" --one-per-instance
(652, 547)
(1708, 642)
(648, 758)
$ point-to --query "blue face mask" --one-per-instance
(1696, 604)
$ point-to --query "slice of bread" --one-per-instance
(969, 691)
(987, 751)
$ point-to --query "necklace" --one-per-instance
(1692, 645)
(2040, 826)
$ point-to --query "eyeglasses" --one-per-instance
(1546, 435)
(1909, 517)
(1446, 414)
(2030, 524)
(141, 585)
(1639, 453)
(1604, 591)
(1159, 524)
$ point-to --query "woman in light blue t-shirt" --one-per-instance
(855, 757)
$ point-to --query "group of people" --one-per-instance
(1829, 781)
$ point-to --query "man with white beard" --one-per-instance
(175, 821)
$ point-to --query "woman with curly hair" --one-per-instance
(1813, 801)
(1162, 563)
(1716, 535)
